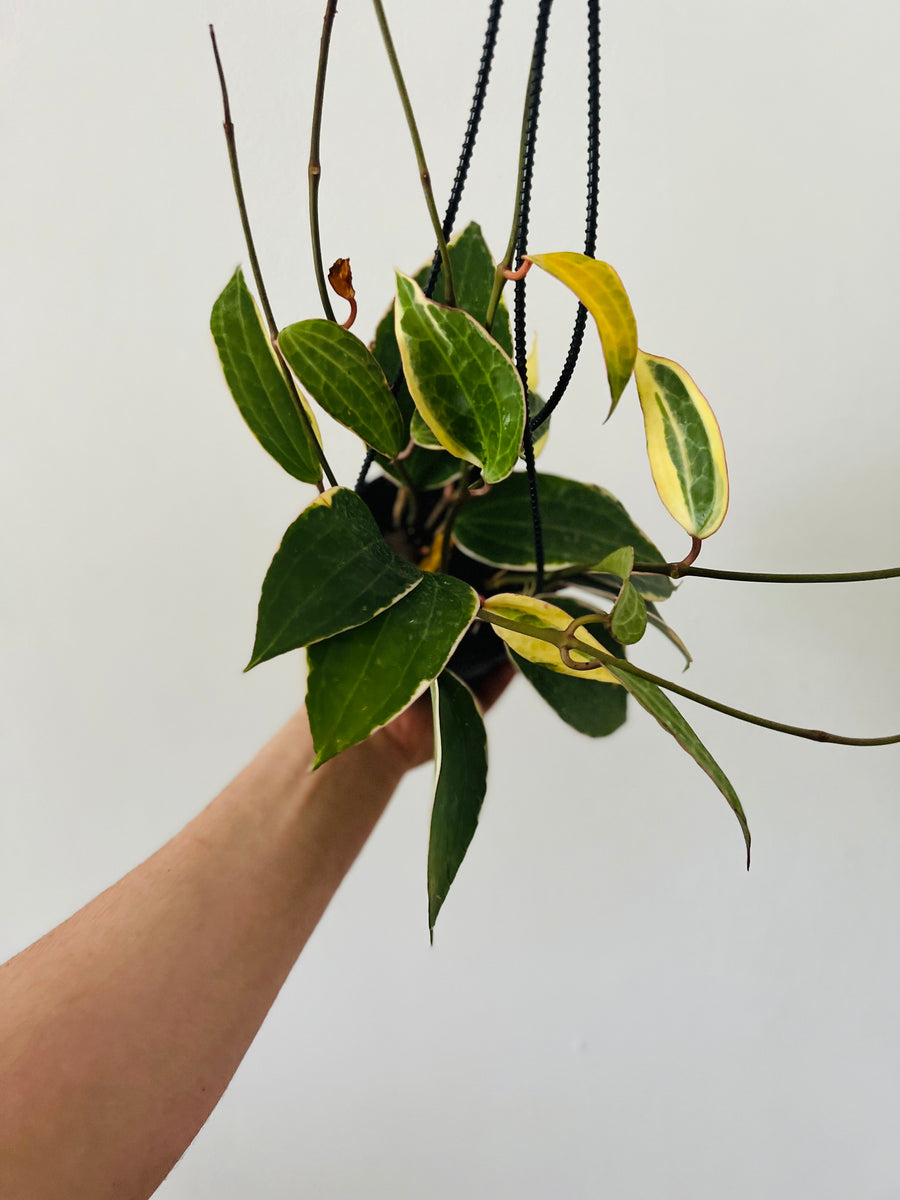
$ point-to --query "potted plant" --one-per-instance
(460, 553)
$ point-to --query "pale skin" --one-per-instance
(121, 1028)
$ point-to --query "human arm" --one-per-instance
(121, 1028)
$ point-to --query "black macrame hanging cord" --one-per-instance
(593, 194)
(462, 171)
(535, 83)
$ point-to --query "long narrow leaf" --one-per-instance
(255, 380)
(658, 704)
(460, 781)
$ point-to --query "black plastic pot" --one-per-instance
(480, 652)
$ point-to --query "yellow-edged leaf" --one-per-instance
(684, 444)
(528, 610)
(600, 290)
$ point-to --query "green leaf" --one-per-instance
(628, 619)
(684, 444)
(600, 290)
(594, 711)
(426, 469)
(257, 384)
(464, 385)
(460, 781)
(364, 677)
(658, 704)
(342, 375)
(332, 571)
(473, 277)
(581, 524)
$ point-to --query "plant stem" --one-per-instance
(257, 273)
(675, 570)
(315, 166)
(449, 292)
(560, 638)
(462, 495)
(506, 262)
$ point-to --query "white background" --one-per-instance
(613, 1007)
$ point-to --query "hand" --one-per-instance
(410, 737)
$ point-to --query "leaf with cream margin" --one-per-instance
(684, 445)
(658, 704)
(460, 782)
(333, 570)
(256, 382)
(600, 290)
(464, 385)
(529, 610)
(345, 379)
(362, 678)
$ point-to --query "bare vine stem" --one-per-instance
(424, 175)
(257, 273)
(676, 570)
(563, 640)
(315, 166)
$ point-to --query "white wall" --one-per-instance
(612, 1007)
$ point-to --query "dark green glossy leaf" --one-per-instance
(342, 375)
(364, 677)
(257, 383)
(332, 571)
(658, 704)
(581, 523)
(595, 711)
(460, 781)
(464, 385)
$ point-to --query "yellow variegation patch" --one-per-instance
(600, 290)
(528, 610)
(684, 444)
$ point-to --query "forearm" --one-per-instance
(120, 1029)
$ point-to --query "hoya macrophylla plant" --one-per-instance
(461, 556)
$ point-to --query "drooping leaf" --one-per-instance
(341, 374)
(600, 290)
(362, 678)
(596, 712)
(658, 704)
(581, 524)
(331, 572)
(684, 444)
(257, 383)
(658, 622)
(463, 384)
(530, 611)
(628, 619)
(604, 586)
(460, 781)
